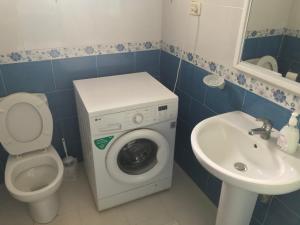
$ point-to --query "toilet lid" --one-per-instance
(268, 62)
(25, 123)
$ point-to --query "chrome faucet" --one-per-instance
(264, 131)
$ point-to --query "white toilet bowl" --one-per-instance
(268, 62)
(34, 170)
(34, 178)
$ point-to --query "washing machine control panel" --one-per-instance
(134, 118)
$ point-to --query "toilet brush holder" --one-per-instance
(70, 168)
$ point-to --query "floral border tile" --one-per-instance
(292, 33)
(277, 95)
(264, 33)
(272, 32)
(61, 53)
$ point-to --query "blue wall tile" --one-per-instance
(250, 48)
(3, 158)
(213, 189)
(226, 100)
(56, 138)
(168, 69)
(280, 215)
(262, 46)
(198, 89)
(2, 171)
(260, 107)
(182, 138)
(269, 46)
(289, 56)
(62, 104)
(74, 148)
(199, 112)
(114, 64)
(67, 70)
(191, 81)
(254, 222)
(55, 79)
(70, 128)
(29, 77)
(260, 211)
(148, 61)
(290, 48)
(291, 200)
(186, 75)
(200, 103)
(2, 85)
(184, 105)
(185, 157)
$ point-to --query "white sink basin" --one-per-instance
(246, 164)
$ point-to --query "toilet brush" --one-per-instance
(70, 164)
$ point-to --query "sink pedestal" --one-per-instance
(236, 205)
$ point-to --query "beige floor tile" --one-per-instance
(114, 216)
(12, 212)
(183, 204)
(146, 209)
(70, 218)
(187, 203)
(159, 220)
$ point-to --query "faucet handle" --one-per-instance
(266, 123)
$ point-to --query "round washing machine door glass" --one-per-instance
(138, 156)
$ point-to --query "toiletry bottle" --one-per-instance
(288, 139)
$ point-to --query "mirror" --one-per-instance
(270, 41)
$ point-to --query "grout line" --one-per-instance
(288, 208)
(205, 95)
(97, 67)
(3, 82)
(53, 75)
(159, 64)
(257, 221)
(134, 62)
(267, 211)
(59, 90)
(244, 99)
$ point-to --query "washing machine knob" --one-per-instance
(138, 118)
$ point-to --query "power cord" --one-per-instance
(182, 53)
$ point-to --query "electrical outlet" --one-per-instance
(195, 8)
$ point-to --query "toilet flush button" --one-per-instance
(138, 118)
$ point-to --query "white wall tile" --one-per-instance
(269, 14)
(218, 33)
(218, 27)
(294, 19)
(36, 24)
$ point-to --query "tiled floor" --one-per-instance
(184, 204)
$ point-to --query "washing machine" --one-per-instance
(127, 127)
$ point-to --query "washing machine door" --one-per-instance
(138, 156)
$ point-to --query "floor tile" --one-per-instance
(65, 219)
(183, 204)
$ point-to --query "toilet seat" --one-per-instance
(268, 62)
(26, 123)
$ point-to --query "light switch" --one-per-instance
(195, 8)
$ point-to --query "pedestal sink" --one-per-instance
(247, 165)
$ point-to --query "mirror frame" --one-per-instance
(256, 71)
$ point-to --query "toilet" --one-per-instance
(267, 62)
(34, 170)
